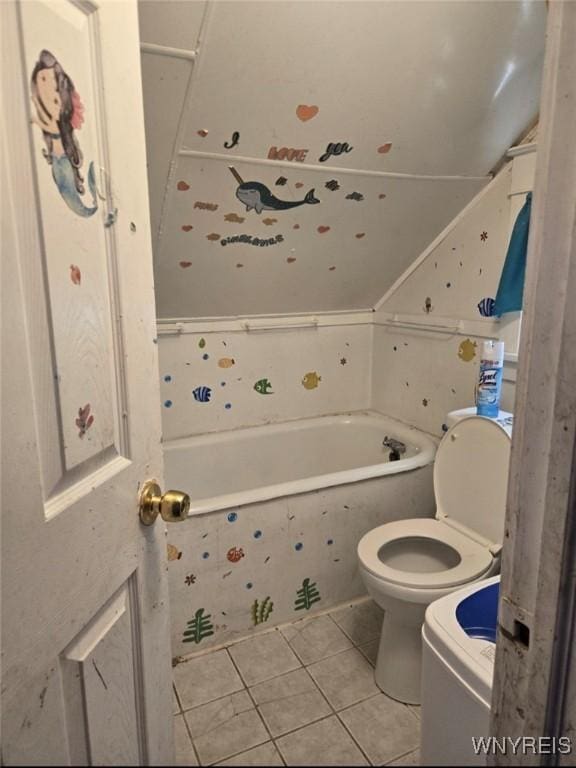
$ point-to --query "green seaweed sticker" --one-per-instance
(261, 611)
(198, 628)
(307, 596)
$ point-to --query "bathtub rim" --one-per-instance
(424, 441)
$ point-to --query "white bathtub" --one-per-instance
(280, 509)
(243, 466)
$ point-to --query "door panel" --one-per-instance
(98, 673)
(86, 661)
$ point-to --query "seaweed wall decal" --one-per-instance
(261, 611)
(307, 596)
(198, 628)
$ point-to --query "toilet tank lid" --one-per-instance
(471, 478)
(504, 418)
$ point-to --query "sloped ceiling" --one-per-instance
(426, 96)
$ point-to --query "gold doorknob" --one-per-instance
(172, 506)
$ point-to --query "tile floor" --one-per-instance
(302, 694)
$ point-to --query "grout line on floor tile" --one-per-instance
(180, 710)
(320, 691)
(252, 699)
(359, 648)
(329, 656)
(399, 757)
(300, 728)
(349, 732)
(413, 711)
(236, 754)
(191, 740)
(229, 757)
(361, 701)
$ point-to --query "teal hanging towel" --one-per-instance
(511, 286)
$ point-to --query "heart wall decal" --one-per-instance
(305, 112)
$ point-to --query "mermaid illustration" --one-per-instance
(59, 112)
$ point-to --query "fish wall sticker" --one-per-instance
(335, 148)
(59, 114)
(75, 274)
(235, 554)
(256, 196)
(467, 350)
(202, 394)
(486, 306)
(262, 386)
(385, 148)
(173, 552)
(311, 380)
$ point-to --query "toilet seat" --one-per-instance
(475, 558)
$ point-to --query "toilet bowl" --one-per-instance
(407, 564)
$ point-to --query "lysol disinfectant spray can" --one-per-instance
(490, 379)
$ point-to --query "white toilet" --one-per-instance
(407, 564)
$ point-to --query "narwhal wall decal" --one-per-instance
(256, 196)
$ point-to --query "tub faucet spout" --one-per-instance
(397, 448)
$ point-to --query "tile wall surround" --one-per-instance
(241, 571)
(256, 377)
(419, 376)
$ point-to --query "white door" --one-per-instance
(85, 652)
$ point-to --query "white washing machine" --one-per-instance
(459, 636)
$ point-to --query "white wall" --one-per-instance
(339, 354)
(447, 85)
(421, 374)
(416, 375)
